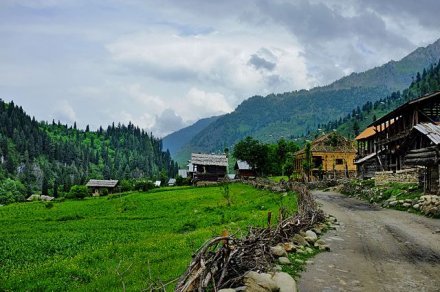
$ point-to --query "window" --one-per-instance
(339, 161)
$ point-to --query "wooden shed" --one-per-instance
(243, 170)
(98, 185)
(208, 167)
(332, 156)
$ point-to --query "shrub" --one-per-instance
(11, 191)
(143, 185)
(104, 192)
(78, 192)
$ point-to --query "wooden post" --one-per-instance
(269, 217)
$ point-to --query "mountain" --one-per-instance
(51, 157)
(295, 113)
(174, 141)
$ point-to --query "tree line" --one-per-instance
(50, 158)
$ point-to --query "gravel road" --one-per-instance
(374, 249)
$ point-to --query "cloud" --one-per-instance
(167, 122)
(178, 61)
(64, 112)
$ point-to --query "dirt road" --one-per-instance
(374, 249)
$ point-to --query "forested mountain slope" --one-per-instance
(295, 113)
(174, 141)
(37, 156)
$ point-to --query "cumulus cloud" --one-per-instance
(167, 122)
(177, 61)
(64, 112)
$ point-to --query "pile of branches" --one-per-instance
(223, 261)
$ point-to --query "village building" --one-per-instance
(243, 170)
(171, 182)
(183, 173)
(208, 167)
(98, 185)
(403, 145)
(332, 156)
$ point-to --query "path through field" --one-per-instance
(374, 249)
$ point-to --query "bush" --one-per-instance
(78, 192)
(180, 181)
(143, 185)
(104, 192)
(11, 191)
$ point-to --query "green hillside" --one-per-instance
(48, 158)
(98, 244)
(296, 113)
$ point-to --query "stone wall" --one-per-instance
(401, 176)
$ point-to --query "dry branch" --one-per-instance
(223, 261)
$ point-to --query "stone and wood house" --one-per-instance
(97, 185)
(243, 170)
(404, 144)
(208, 167)
(332, 156)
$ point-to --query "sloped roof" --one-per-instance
(209, 159)
(370, 131)
(242, 165)
(172, 181)
(102, 183)
(332, 142)
(430, 130)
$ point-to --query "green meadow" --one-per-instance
(132, 240)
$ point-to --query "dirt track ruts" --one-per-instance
(374, 249)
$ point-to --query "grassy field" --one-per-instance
(100, 243)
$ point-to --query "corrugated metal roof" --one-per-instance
(243, 165)
(102, 183)
(209, 159)
(432, 131)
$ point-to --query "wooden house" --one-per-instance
(332, 156)
(405, 138)
(98, 185)
(243, 170)
(208, 167)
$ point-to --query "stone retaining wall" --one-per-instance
(401, 176)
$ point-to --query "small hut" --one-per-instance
(208, 167)
(97, 185)
(243, 170)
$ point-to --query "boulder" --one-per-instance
(406, 205)
(299, 240)
(278, 251)
(289, 247)
(393, 203)
(284, 261)
(311, 234)
(416, 206)
(259, 282)
(285, 282)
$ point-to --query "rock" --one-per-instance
(393, 203)
(285, 282)
(227, 290)
(416, 206)
(277, 268)
(284, 261)
(300, 251)
(259, 282)
(289, 247)
(299, 240)
(324, 248)
(278, 251)
(320, 242)
(311, 234)
(406, 205)
(317, 230)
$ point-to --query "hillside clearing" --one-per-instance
(98, 243)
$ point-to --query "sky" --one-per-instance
(165, 64)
